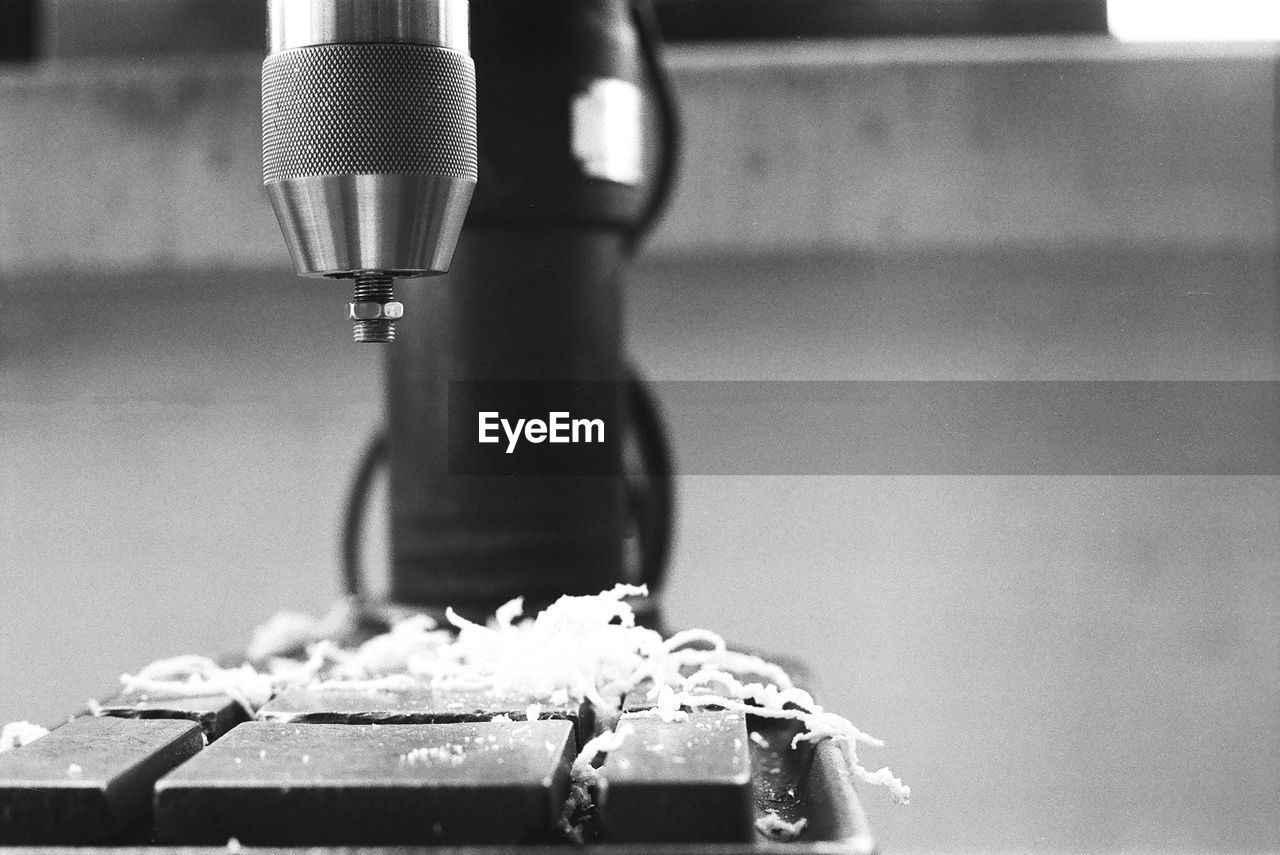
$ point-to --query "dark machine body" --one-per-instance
(533, 296)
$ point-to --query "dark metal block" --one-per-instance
(274, 783)
(216, 714)
(680, 781)
(89, 780)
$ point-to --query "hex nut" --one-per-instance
(370, 311)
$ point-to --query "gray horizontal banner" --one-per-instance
(973, 427)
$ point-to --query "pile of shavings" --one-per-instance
(580, 648)
(198, 676)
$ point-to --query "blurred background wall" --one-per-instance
(1057, 663)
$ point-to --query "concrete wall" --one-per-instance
(868, 147)
(148, 28)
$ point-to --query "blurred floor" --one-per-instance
(1057, 663)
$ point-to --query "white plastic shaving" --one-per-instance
(689, 636)
(287, 632)
(505, 616)
(819, 725)
(16, 734)
(585, 647)
(414, 639)
(198, 676)
(822, 725)
(389, 683)
(884, 777)
(75, 771)
(580, 648)
(448, 755)
(283, 632)
(668, 706)
(709, 677)
(776, 828)
(584, 770)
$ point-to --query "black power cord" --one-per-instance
(671, 132)
(653, 491)
(374, 456)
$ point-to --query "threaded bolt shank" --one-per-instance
(373, 309)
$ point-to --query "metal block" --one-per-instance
(274, 783)
(680, 781)
(89, 780)
(216, 714)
